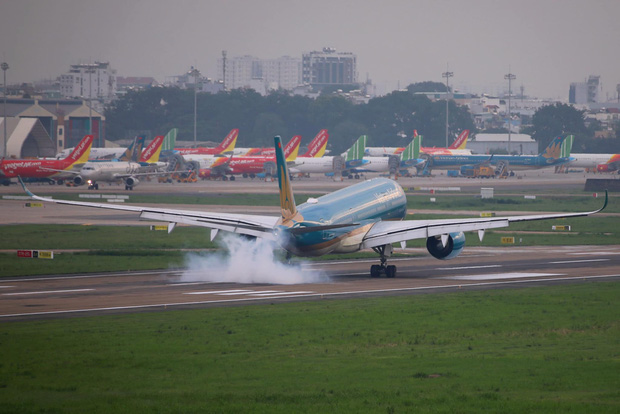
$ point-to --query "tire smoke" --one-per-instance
(246, 261)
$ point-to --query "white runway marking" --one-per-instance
(594, 253)
(6, 287)
(332, 294)
(46, 292)
(498, 276)
(280, 293)
(218, 292)
(580, 261)
(249, 292)
(467, 267)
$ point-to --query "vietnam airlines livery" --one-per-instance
(226, 146)
(47, 168)
(365, 215)
(550, 157)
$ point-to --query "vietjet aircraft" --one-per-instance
(94, 172)
(226, 146)
(316, 148)
(366, 215)
(456, 148)
(328, 164)
(260, 164)
(107, 153)
(47, 168)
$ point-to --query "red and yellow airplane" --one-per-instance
(47, 168)
(227, 145)
(456, 148)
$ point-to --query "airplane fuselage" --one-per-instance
(109, 171)
(360, 205)
(515, 162)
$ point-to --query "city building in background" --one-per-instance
(92, 81)
(325, 68)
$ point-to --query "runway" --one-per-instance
(478, 268)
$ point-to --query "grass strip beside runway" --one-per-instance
(546, 349)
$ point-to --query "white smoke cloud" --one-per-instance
(246, 261)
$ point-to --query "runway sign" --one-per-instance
(508, 240)
(36, 254)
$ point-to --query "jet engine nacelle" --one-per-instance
(454, 246)
(132, 181)
(78, 180)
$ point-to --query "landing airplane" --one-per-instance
(47, 168)
(94, 172)
(550, 157)
(365, 215)
(457, 147)
(226, 146)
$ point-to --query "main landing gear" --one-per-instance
(389, 271)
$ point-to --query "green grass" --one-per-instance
(548, 350)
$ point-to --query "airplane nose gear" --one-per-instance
(389, 271)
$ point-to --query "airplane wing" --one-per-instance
(387, 232)
(249, 225)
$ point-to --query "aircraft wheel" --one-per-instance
(357, 176)
(232, 178)
(375, 271)
(96, 186)
(245, 175)
(390, 271)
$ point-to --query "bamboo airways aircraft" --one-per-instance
(365, 215)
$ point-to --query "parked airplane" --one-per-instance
(46, 168)
(590, 162)
(365, 215)
(117, 153)
(410, 157)
(457, 147)
(330, 164)
(251, 166)
(94, 172)
(550, 157)
(316, 147)
(226, 146)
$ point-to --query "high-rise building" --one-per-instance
(92, 81)
(260, 74)
(585, 92)
(328, 68)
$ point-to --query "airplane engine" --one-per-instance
(132, 181)
(78, 180)
(454, 246)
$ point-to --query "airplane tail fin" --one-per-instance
(292, 148)
(153, 150)
(229, 142)
(412, 151)
(318, 145)
(132, 151)
(81, 152)
(356, 152)
(461, 141)
(170, 141)
(288, 208)
(554, 149)
(567, 146)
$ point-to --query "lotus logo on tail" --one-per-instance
(554, 149)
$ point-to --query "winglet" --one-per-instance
(24, 187)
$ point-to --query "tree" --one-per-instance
(554, 120)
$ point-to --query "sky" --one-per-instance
(546, 44)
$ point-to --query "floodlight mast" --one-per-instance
(447, 74)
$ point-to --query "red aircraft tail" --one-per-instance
(461, 141)
(228, 144)
(317, 146)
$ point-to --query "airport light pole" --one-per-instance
(224, 68)
(447, 75)
(5, 67)
(196, 74)
(510, 78)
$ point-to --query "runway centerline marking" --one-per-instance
(279, 293)
(43, 292)
(217, 292)
(580, 261)
(467, 267)
(498, 276)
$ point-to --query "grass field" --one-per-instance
(544, 350)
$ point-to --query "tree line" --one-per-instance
(388, 120)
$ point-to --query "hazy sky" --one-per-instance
(547, 44)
